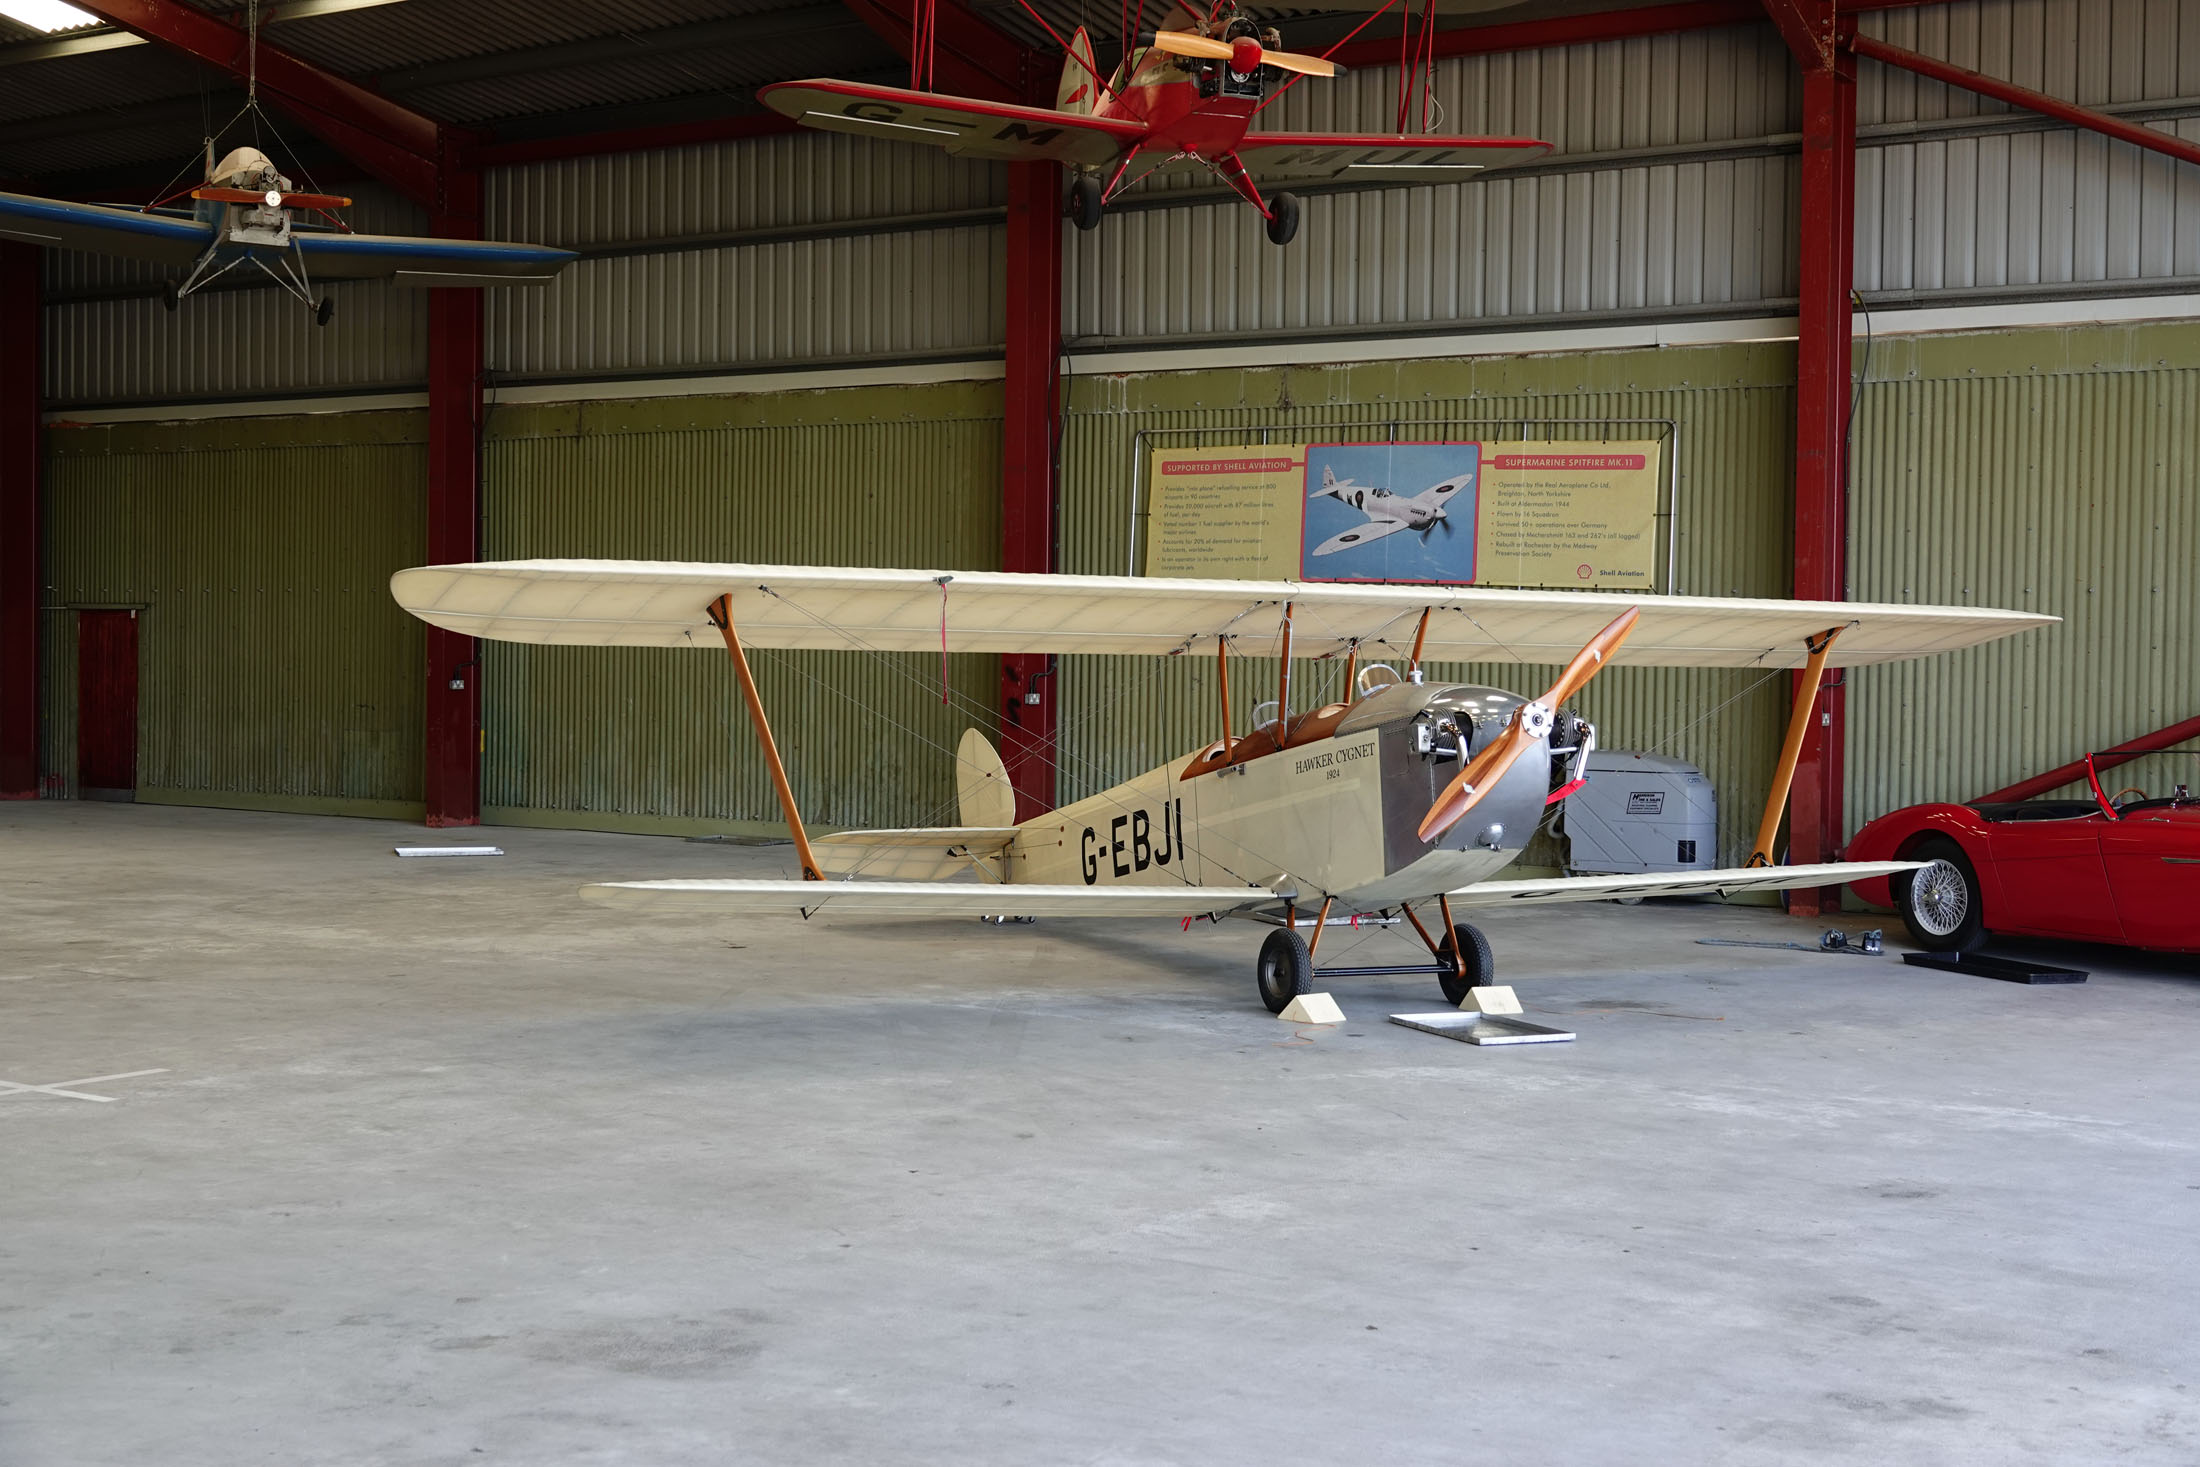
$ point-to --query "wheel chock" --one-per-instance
(1312, 1008)
(1490, 998)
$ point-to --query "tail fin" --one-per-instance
(1329, 484)
(1079, 91)
(982, 790)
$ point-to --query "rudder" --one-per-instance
(1078, 91)
(983, 794)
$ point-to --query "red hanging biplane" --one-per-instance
(1185, 96)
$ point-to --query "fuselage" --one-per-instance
(1152, 89)
(1333, 816)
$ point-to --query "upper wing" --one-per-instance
(627, 603)
(930, 898)
(1376, 158)
(424, 262)
(102, 229)
(1675, 883)
(959, 124)
(1377, 526)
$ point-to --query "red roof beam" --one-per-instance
(2031, 101)
(395, 144)
(1602, 25)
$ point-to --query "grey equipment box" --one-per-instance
(1641, 812)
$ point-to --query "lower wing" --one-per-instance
(1374, 529)
(423, 262)
(1281, 156)
(930, 898)
(102, 229)
(959, 124)
(1675, 883)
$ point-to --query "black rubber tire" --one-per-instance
(1931, 931)
(170, 297)
(1283, 219)
(1084, 202)
(323, 311)
(1285, 969)
(1481, 963)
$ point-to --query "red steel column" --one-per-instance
(1822, 392)
(1029, 431)
(452, 783)
(21, 363)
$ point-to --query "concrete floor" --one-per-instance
(441, 1166)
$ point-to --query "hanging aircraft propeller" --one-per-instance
(1244, 54)
(1530, 722)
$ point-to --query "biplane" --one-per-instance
(1404, 794)
(1185, 96)
(246, 214)
(1387, 513)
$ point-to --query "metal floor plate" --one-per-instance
(1483, 1028)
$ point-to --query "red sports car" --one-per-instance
(2096, 870)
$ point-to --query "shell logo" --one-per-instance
(1584, 571)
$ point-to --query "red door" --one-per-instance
(106, 705)
(2052, 881)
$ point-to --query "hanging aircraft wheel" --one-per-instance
(169, 296)
(1283, 218)
(1285, 970)
(1940, 904)
(324, 310)
(1085, 201)
(1481, 965)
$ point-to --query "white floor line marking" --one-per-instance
(61, 1087)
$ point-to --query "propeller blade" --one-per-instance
(1590, 660)
(1308, 65)
(1184, 43)
(1530, 722)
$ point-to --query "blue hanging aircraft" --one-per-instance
(245, 214)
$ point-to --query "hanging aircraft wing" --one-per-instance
(103, 229)
(1376, 527)
(422, 262)
(626, 603)
(962, 125)
(1675, 883)
(929, 898)
(1381, 158)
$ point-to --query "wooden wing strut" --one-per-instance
(721, 616)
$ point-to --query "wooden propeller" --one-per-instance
(272, 198)
(1243, 54)
(1530, 723)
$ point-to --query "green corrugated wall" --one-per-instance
(636, 738)
(274, 671)
(2050, 471)
(2046, 469)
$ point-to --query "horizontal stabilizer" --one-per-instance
(926, 854)
(928, 898)
(1675, 883)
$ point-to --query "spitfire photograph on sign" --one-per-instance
(1391, 512)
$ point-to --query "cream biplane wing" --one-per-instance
(962, 125)
(1661, 884)
(612, 603)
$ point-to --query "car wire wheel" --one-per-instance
(1940, 898)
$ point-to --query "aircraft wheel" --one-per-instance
(324, 310)
(1285, 970)
(1481, 963)
(1940, 904)
(1283, 218)
(169, 297)
(1085, 201)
